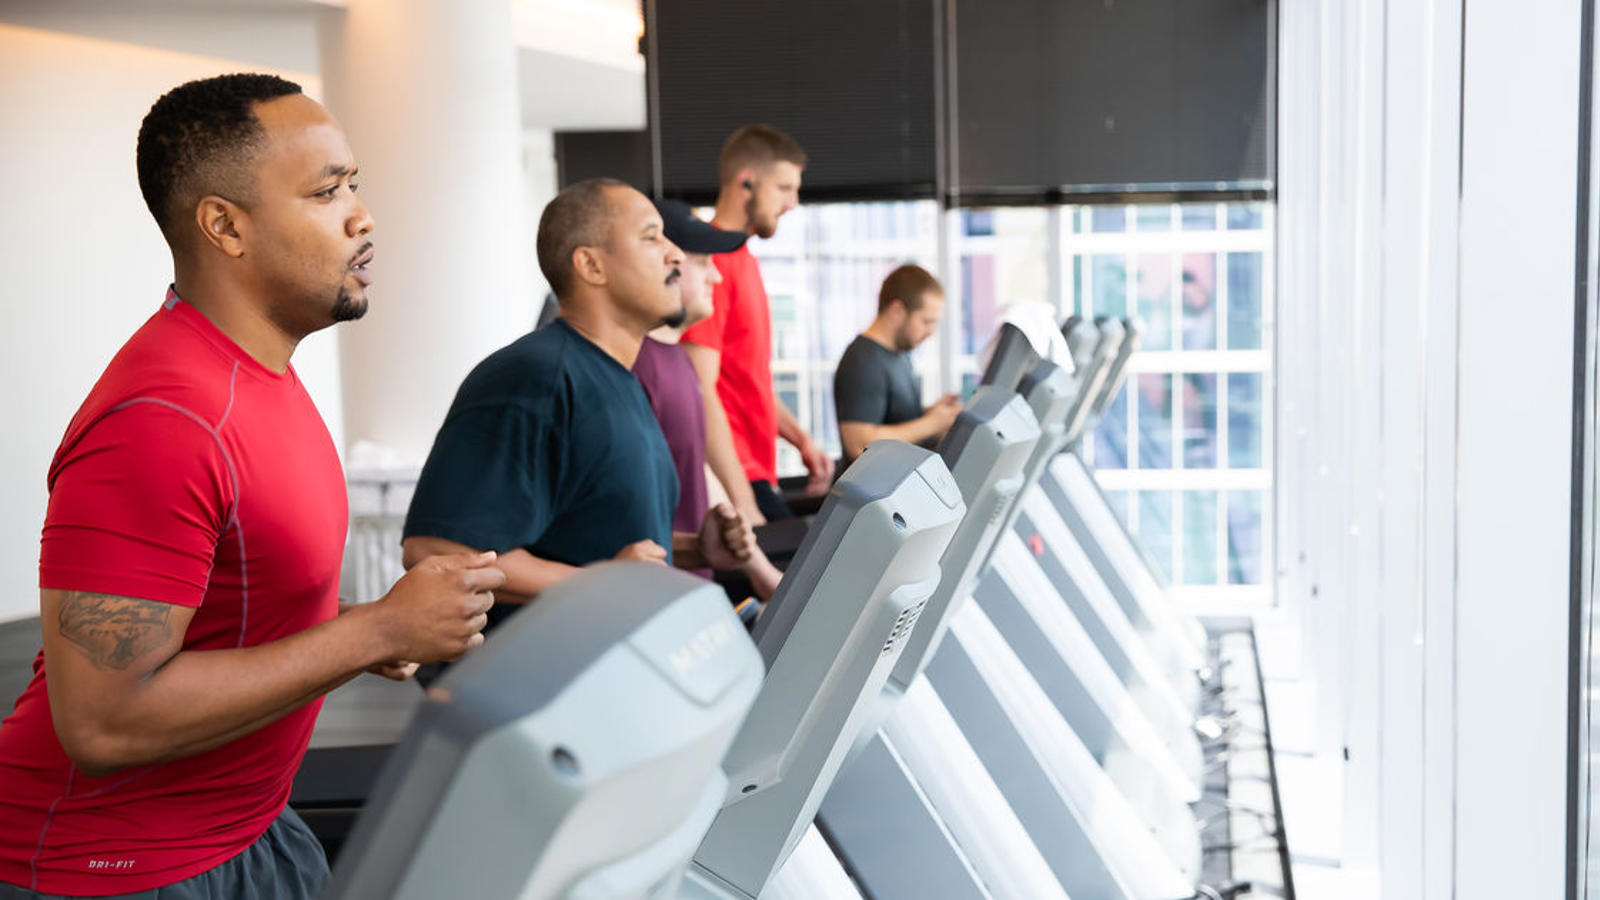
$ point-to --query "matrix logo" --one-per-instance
(701, 647)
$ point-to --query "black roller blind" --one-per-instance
(852, 80)
(1109, 96)
(582, 155)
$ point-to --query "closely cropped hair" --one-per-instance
(579, 216)
(757, 147)
(910, 285)
(198, 139)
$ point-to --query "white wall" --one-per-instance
(541, 184)
(1427, 225)
(81, 261)
(259, 35)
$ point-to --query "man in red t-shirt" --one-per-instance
(759, 174)
(189, 564)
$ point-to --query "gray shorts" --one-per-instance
(285, 863)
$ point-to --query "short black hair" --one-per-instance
(194, 138)
(579, 216)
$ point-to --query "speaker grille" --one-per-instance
(903, 624)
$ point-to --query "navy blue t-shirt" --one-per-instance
(551, 446)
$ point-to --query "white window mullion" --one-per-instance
(1222, 537)
(1179, 537)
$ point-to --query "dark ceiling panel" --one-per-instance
(615, 154)
(1112, 96)
(852, 80)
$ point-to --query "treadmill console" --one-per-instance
(1013, 356)
(985, 450)
(575, 754)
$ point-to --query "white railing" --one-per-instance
(378, 502)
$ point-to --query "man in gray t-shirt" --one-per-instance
(876, 393)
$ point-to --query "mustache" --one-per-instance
(674, 275)
(365, 249)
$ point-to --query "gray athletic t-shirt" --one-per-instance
(876, 385)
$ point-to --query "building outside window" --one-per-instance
(1184, 451)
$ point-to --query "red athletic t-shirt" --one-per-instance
(740, 328)
(191, 475)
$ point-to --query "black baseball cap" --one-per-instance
(695, 235)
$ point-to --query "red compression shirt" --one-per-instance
(191, 475)
(740, 328)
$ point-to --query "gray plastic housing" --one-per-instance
(1094, 347)
(830, 636)
(1051, 394)
(1132, 336)
(574, 755)
(985, 450)
(1013, 357)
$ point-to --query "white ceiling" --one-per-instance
(578, 59)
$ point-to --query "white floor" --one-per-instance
(1310, 786)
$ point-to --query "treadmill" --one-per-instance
(836, 627)
(506, 779)
(985, 450)
(969, 760)
(1164, 693)
(1030, 632)
(1115, 555)
(1161, 682)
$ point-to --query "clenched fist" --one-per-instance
(437, 610)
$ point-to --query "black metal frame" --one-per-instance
(1577, 793)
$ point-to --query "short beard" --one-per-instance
(676, 320)
(347, 308)
(902, 342)
(761, 229)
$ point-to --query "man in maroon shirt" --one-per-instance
(189, 564)
(670, 382)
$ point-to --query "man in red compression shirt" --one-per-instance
(759, 173)
(189, 564)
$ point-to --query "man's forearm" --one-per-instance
(723, 458)
(789, 427)
(913, 432)
(721, 455)
(202, 699)
(686, 551)
(526, 574)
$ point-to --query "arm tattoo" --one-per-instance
(112, 632)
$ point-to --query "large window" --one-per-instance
(822, 271)
(1184, 452)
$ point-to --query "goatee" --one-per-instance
(347, 308)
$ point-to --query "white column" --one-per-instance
(541, 183)
(427, 93)
(1513, 492)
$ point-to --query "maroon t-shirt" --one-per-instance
(195, 476)
(673, 387)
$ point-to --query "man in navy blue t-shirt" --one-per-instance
(550, 453)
